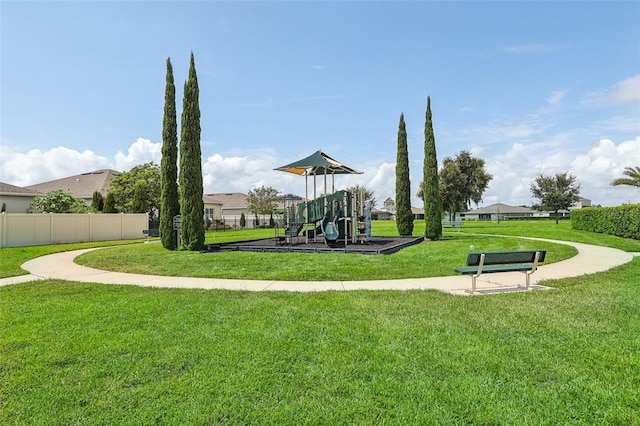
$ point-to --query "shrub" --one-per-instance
(622, 221)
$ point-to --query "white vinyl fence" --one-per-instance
(26, 229)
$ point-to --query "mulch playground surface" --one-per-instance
(377, 245)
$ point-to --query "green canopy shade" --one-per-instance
(318, 163)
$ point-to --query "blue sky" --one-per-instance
(531, 87)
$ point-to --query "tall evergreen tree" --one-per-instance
(431, 182)
(169, 201)
(190, 179)
(97, 201)
(404, 215)
(140, 195)
(109, 203)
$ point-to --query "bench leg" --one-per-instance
(527, 279)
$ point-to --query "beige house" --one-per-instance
(212, 208)
(14, 199)
(233, 203)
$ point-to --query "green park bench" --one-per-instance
(479, 263)
(452, 224)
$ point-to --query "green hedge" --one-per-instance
(623, 221)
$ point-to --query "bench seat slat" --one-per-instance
(489, 269)
(502, 257)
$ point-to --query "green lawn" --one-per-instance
(428, 259)
(75, 353)
(11, 258)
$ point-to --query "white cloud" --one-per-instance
(243, 173)
(556, 96)
(594, 169)
(35, 166)
(535, 48)
(501, 131)
(140, 152)
(513, 170)
(626, 90)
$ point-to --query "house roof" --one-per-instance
(500, 208)
(80, 186)
(232, 200)
(210, 199)
(7, 189)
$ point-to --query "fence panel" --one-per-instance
(25, 229)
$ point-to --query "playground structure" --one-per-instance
(336, 221)
(341, 217)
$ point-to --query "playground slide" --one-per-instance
(329, 229)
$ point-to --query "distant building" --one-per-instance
(233, 203)
(15, 199)
(212, 208)
(499, 211)
(582, 202)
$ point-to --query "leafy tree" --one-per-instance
(451, 180)
(190, 178)
(97, 201)
(476, 178)
(262, 200)
(109, 203)
(431, 185)
(463, 180)
(139, 202)
(243, 220)
(389, 202)
(555, 193)
(169, 199)
(58, 201)
(124, 185)
(404, 215)
(633, 178)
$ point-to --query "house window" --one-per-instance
(209, 213)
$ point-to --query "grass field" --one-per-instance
(74, 353)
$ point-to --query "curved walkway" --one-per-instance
(590, 259)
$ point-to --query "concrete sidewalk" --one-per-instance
(590, 259)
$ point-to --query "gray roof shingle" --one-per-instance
(80, 186)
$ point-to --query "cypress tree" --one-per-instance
(404, 215)
(190, 179)
(430, 182)
(97, 201)
(109, 204)
(139, 203)
(169, 201)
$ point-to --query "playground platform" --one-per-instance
(377, 245)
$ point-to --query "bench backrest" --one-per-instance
(505, 257)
